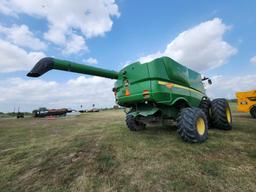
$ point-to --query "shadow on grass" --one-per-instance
(159, 130)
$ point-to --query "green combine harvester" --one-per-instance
(157, 91)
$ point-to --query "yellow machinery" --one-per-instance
(246, 102)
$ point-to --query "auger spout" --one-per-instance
(46, 64)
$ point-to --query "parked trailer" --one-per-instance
(50, 112)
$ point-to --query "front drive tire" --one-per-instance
(134, 125)
(192, 125)
(221, 114)
(253, 111)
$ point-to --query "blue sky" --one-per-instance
(119, 33)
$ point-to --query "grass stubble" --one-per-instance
(96, 152)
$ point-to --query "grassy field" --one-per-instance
(96, 152)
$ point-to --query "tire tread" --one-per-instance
(132, 124)
(186, 125)
(219, 118)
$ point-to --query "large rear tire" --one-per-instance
(253, 111)
(192, 125)
(221, 114)
(133, 124)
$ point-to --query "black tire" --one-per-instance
(221, 117)
(253, 111)
(188, 125)
(205, 105)
(134, 125)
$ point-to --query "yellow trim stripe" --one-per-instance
(178, 86)
(162, 83)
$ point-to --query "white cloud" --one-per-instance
(33, 93)
(253, 60)
(13, 58)
(201, 47)
(6, 9)
(227, 86)
(65, 18)
(75, 44)
(91, 61)
(22, 36)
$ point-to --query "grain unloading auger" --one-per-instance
(46, 64)
(155, 91)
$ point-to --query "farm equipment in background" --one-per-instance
(93, 109)
(246, 102)
(81, 109)
(44, 112)
(19, 114)
(156, 91)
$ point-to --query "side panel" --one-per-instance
(176, 73)
(165, 70)
(182, 75)
(245, 100)
(157, 72)
(164, 80)
(195, 81)
(195, 98)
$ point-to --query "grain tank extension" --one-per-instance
(157, 91)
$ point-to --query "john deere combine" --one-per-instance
(156, 91)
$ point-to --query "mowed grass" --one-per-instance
(96, 152)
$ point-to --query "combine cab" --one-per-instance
(156, 91)
(246, 102)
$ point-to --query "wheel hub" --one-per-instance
(228, 114)
(200, 126)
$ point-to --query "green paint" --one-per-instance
(85, 69)
(187, 87)
(144, 87)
